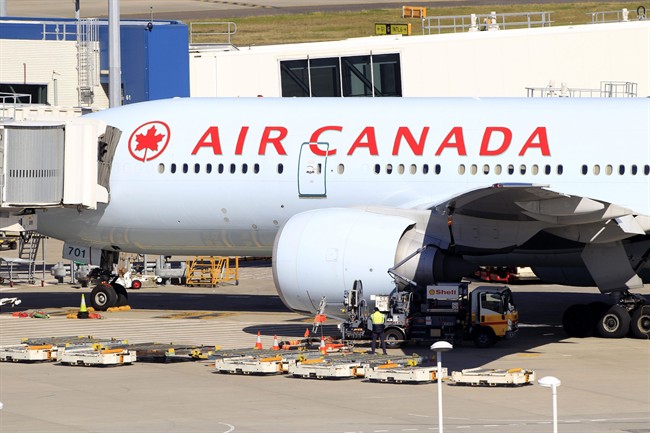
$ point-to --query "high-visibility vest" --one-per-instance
(377, 318)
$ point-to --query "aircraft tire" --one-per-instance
(640, 324)
(122, 295)
(615, 323)
(484, 337)
(103, 296)
(394, 338)
(577, 321)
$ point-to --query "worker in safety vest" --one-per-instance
(378, 320)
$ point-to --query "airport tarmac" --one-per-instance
(605, 383)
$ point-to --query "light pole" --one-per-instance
(439, 347)
(553, 383)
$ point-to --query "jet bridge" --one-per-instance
(55, 163)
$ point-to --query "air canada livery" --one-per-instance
(338, 190)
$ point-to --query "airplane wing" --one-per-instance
(505, 216)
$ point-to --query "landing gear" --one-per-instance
(629, 314)
(103, 296)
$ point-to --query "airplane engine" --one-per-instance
(322, 252)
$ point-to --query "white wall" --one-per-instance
(36, 61)
(493, 63)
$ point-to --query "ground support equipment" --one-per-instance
(493, 377)
(28, 353)
(260, 362)
(347, 366)
(404, 374)
(89, 356)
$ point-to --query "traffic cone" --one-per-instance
(276, 346)
(258, 343)
(306, 332)
(83, 311)
(322, 348)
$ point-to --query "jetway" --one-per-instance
(55, 163)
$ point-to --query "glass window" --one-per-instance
(585, 169)
(233, 168)
(294, 77)
(596, 169)
(340, 169)
(244, 168)
(208, 168)
(511, 169)
(357, 76)
(173, 168)
(377, 169)
(387, 75)
(185, 168)
(461, 169)
(325, 77)
(161, 168)
(256, 168)
(197, 168)
(389, 168)
(634, 169)
(473, 169)
(522, 169)
(280, 168)
(438, 168)
(621, 169)
(560, 169)
(400, 168)
(547, 169)
(609, 170)
(425, 169)
(498, 169)
(220, 169)
(534, 169)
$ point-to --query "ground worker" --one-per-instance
(378, 320)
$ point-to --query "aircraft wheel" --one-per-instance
(103, 297)
(577, 321)
(614, 323)
(484, 337)
(393, 338)
(122, 295)
(640, 324)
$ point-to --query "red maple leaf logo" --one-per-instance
(148, 141)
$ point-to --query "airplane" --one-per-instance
(338, 190)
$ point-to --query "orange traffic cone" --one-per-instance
(83, 310)
(322, 347)
(306, 332)
(276, 346)
(258, 343)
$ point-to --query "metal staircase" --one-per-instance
(30, 243)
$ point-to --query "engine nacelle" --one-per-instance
(322, 252)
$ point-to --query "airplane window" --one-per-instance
(621, 169)
(389, 168)
(185, 168)
(547, 169)
(197, 168)
(535, 169)
(585, 169)
(244, 168)
(220, 170)
(377, 169)
(438, 168)
(208, 168)
(596, 169)
(256, 168)
(461, 169)
(609, 170)
(340, 169)
(413, 169)
(425, 168)
(233, 168)
(486, 169)
(319, 168)
(400, 168)
(497, 169)
(280, 168)
(511, 169)
(173, 168)
(560, 169)
(161, 168)
(522, 169)
(473, 169)
(634, 169)
(646, 169)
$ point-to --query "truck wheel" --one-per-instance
(103, 297)
(614, 323)
(577, 321)
(122, 295)
(394, 338)
(640, 325)
(484, 337)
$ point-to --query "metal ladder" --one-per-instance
(30, 243)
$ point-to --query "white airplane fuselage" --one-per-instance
(232, 171)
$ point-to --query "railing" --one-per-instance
(205, 36)
(622, 15)
(9, 102)
(491, 21)
(59, 30)
(608, 89)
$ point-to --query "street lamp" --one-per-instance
(439, 347)
(553, 383)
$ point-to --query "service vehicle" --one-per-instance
(446, 311)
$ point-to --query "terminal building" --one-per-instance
(64, 62)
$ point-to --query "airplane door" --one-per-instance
(312, 171)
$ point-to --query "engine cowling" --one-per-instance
(322, 252)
